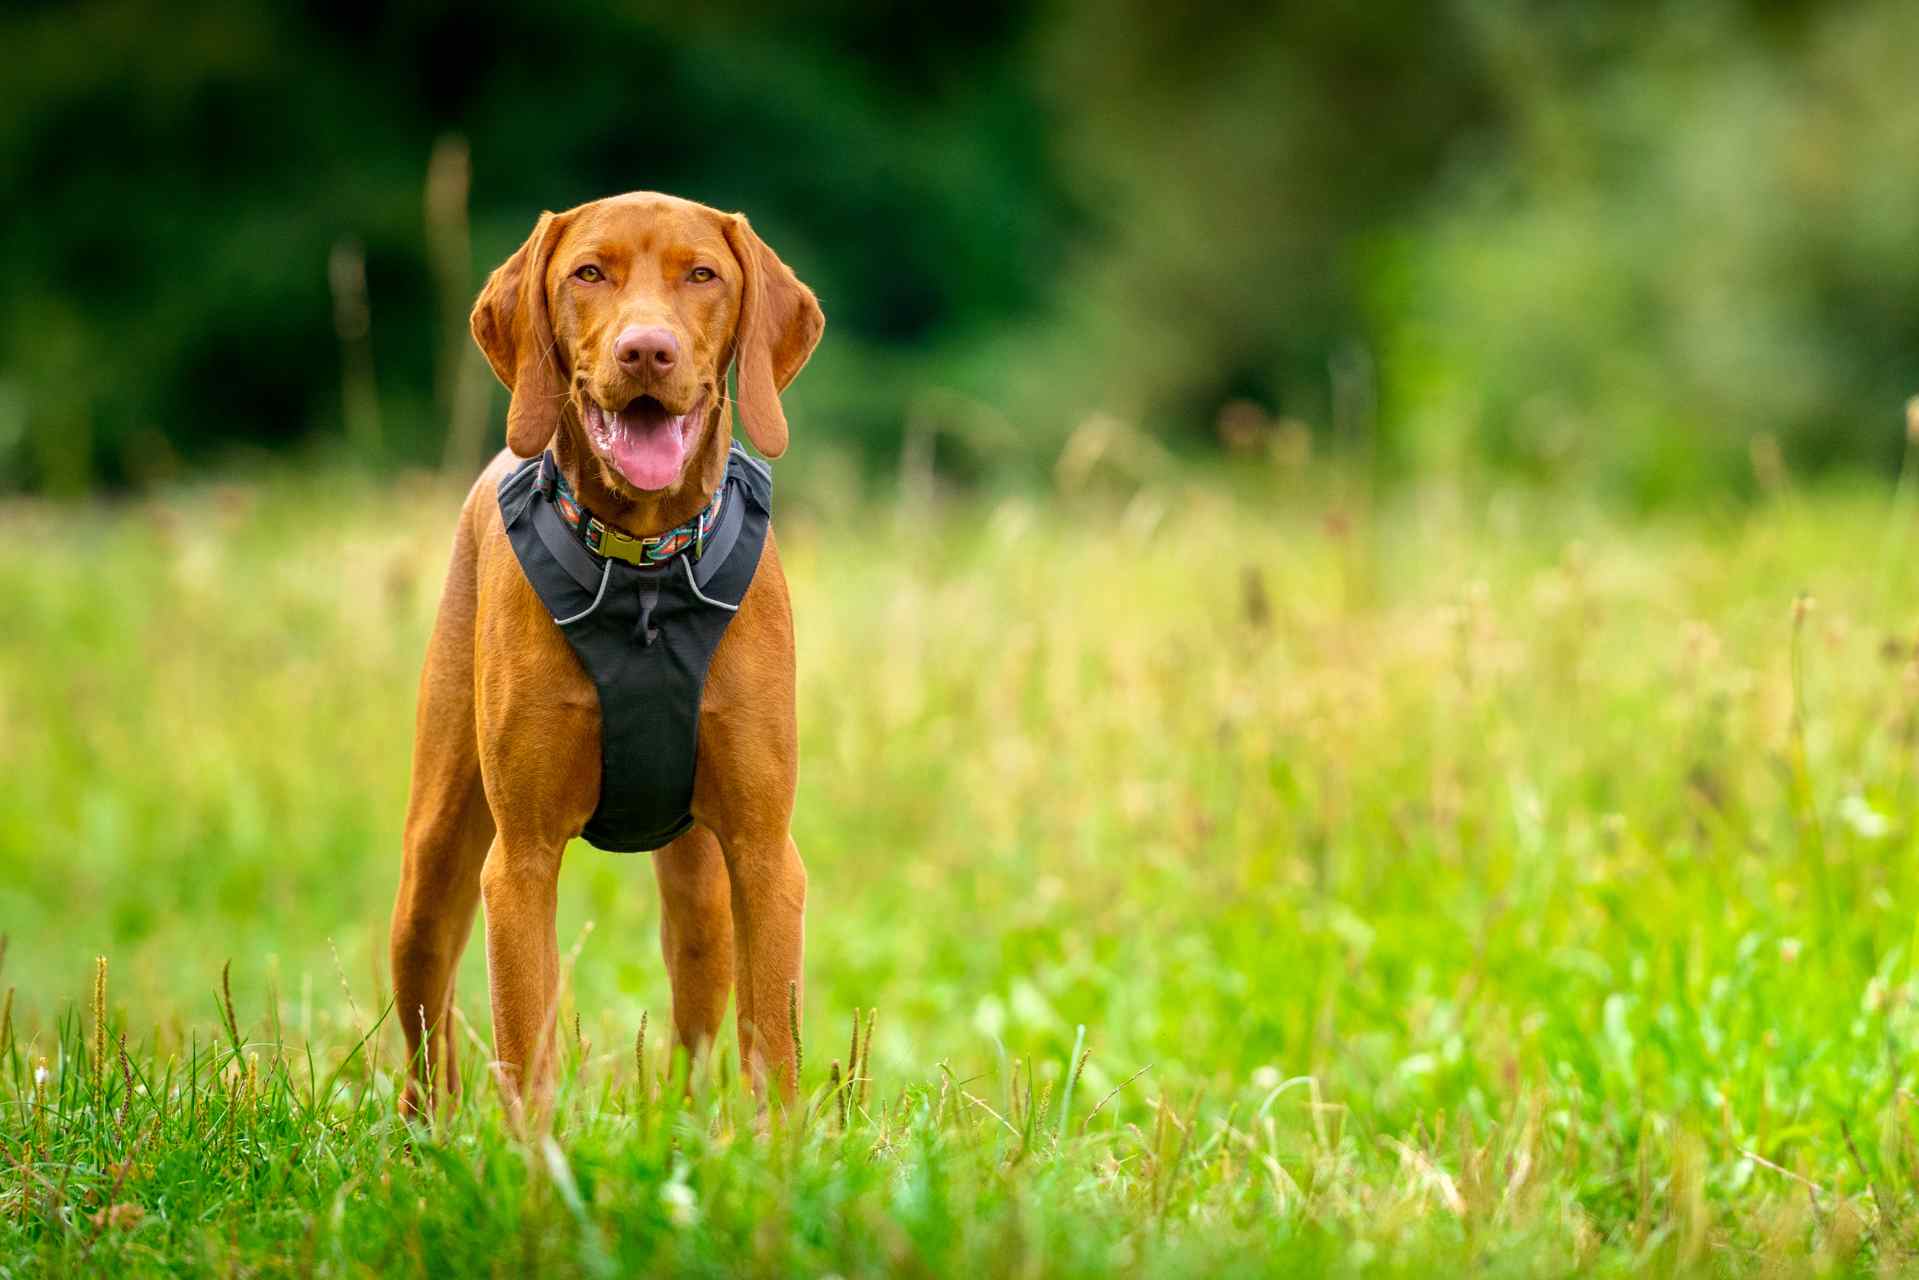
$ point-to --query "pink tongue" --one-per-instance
(648, 448)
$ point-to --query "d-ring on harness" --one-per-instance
(644, 616)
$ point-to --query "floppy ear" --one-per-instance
(511, 324)
(780, 324)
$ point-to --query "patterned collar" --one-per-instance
(604, 540)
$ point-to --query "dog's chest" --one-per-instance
(646, 638)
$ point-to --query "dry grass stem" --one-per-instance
(1101, 1105)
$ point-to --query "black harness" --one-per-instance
(645, 637)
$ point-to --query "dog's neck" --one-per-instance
(645, 515)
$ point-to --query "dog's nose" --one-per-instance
(642, 349)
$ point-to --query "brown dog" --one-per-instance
(613, 327)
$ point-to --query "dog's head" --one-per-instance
(619, 319)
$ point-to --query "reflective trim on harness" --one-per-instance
(606, 575)
(694, 587)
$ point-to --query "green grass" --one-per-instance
(1482, 882)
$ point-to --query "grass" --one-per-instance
(1486, 881)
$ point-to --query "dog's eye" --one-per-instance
(590, 274)
(700, 275)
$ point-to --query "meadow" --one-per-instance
(1230, 873)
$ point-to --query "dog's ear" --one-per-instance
(512, 326)
(780, 324)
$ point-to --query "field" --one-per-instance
(1477, 879)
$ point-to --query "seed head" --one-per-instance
(100, 1019)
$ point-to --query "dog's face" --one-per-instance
(645, 299)
(619, 319)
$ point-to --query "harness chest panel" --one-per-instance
(645, 637)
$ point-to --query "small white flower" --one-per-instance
(40, 1074)
(682, 1207)
(1866, 821)
(1266, 1077)
(1420, 1064)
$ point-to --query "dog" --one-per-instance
(613, 329)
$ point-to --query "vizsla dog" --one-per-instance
(613, 327)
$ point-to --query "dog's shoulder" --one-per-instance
(486, 487)
(480, 514)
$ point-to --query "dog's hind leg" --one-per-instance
(696, 935)
(448, 829)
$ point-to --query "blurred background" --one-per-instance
(1416, 596)
(1661, 249)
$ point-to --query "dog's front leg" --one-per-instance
(769, 939)
(520, 886)
(743, 793)
(538, 741)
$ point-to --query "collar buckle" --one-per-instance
(604, 540)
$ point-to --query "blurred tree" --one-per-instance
(1613, 240)
(1700, 233)
(173, 183)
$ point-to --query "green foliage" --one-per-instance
(1694, 239)
(173, 185)
(1482, 882)
(1608, 243)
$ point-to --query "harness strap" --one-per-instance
(719, 544)
(566, 548)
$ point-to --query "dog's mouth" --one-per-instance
(645, 443)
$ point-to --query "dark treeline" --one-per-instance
(1637, 243)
